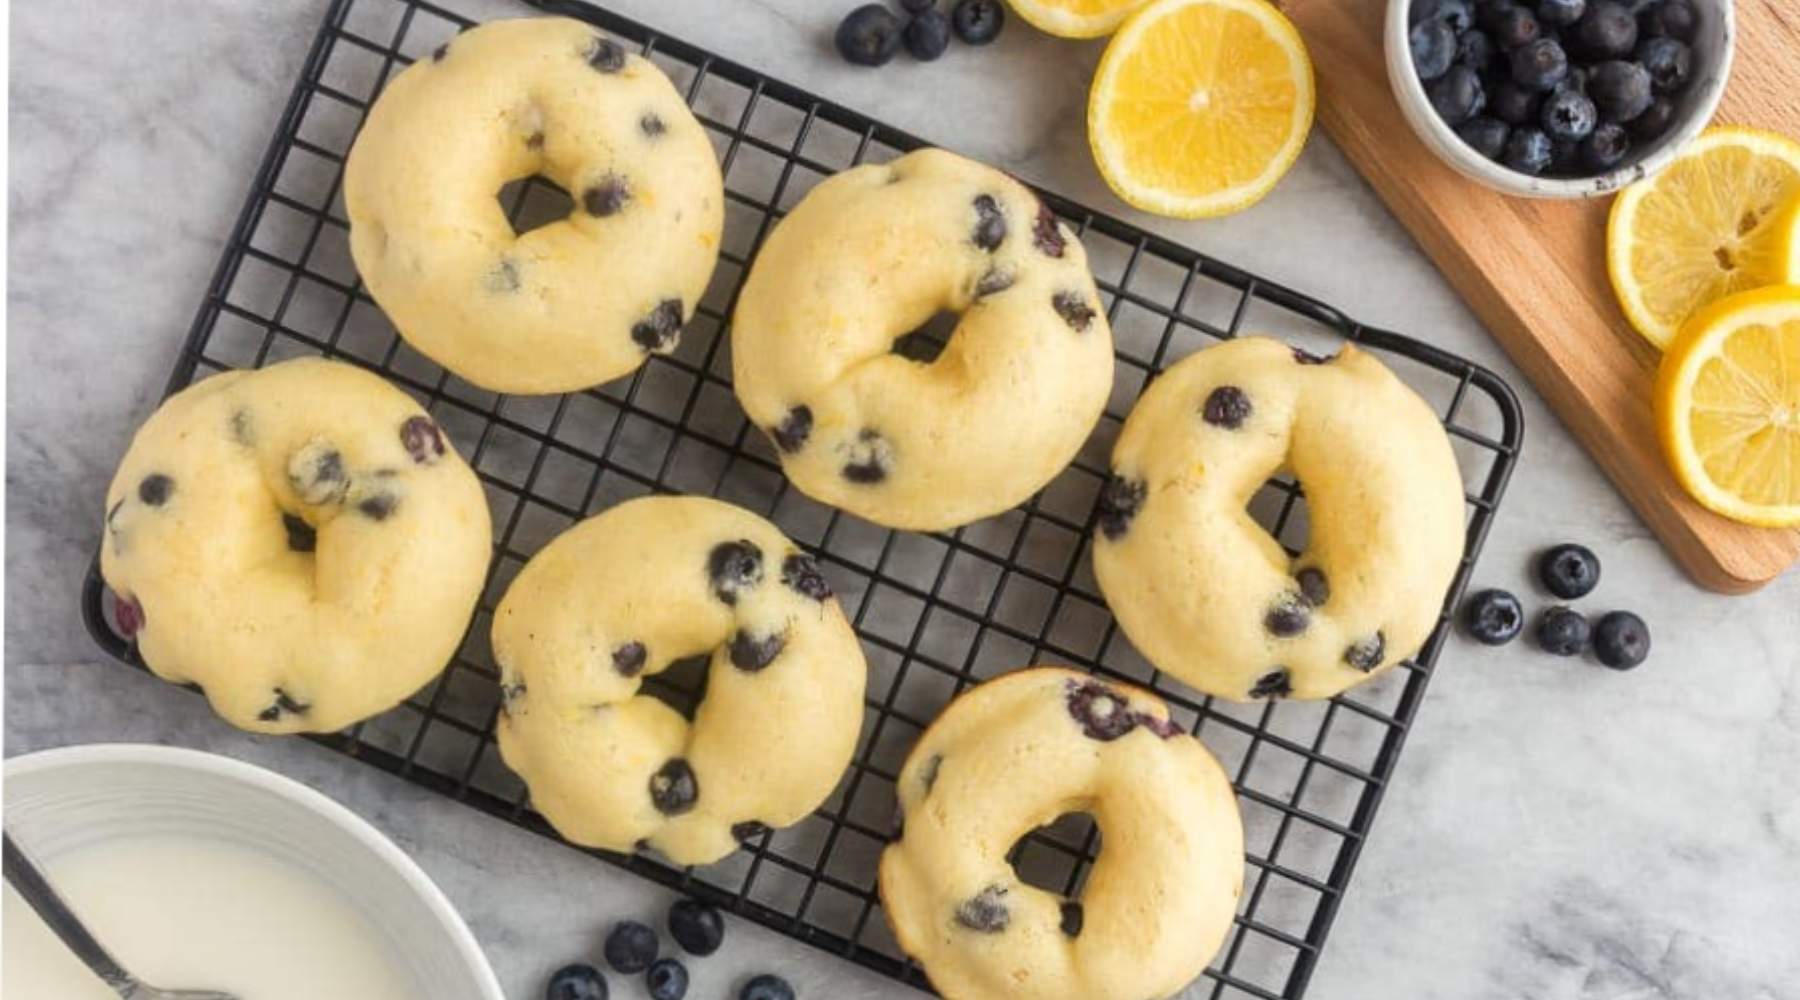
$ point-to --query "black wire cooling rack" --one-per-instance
(936, 613)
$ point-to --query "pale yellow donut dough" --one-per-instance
(300, 541)
(874, 253)
(1013, 755)
(1204, 592)
(629, 592)
(568, 305)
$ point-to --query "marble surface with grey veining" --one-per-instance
(1554, 830)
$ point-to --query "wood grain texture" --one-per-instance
(1535, 271)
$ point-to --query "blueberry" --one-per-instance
(697, 927)
(1458, 14)
(1568, 116)
(1074, 309)
(667, 979)
(1514, 104)
(1621, 90)
(749, 830)
(1485, 135)
(869, 458)
(1288, 616)
(978, 22)
(733, 567)
(301, 537)
(1621, 640)
(1675, 19)
(1528, 151)
(673, 788)
(661, 328)
(378, 506)
(1456, 96)
(995, 281)
(927, 36)
(985, 912)
(607, 197)
(1314, 587)
(576, 982)
(767, 987)
(1655, 120)
(631, 946)
(316, 474)
(1102, 713)
(1516, 27)
(1493, 617)
(790, 435)
(1541, 65)
(1120, 501)
(651, 125)
(128, 615)
(422, 440)
(990, 224)
(917, 6)
(1562, 631)
(869, 35)
(1670, 63)
(1366, 654)
(1569, 571)
(800, 574)
(1433, 48)
(1606, 31)
(1561, 12)
(284, 704)
(1277, 683)
(1476, 50)
(752, 654)
(1072, 918)
(606, 55)
(629, 660)
(156, 489)
(1045, 235)
(1490, 13)
(1227, 406)
(1606, 148)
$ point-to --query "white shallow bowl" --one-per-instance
(62, 800)
(1713, 49)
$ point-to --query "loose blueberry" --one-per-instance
(1568, 116)
(1074, 310)
(1072, 918)
(1366, 654)
(734, 567)
(766, 987)
(607, 197)
(1606, 31)
(576, 982)
(1606, 148)
(1655, 120)
(667, 979)
(156, 489)
(749, 830)
(631, 946)
(1433, 47)
(652, 125)
(1102, 713)
(1493, 617)
(629, 660)
(1314, 587)
(128, 615)
(658, 331)
(1621, 640)
(1527, 151)
(301, 537)
(800, 573)
(1540, 65)
(1569, 571)
(1458, 14)
(869, 458)
(673, 788)
(1562, 631)
(1485, 135)
(1476, 50)
(1046, 235)
(990, 224)
(284, 704)
(790, 435)
(606, 55)
(1457, 95)
(978, 22)
(1516, 27)
(1621, 90)
(1227, 406)
(422, 440)
(985, 912)
(1514, 104)
(1561, 12)
(1120, 501)
(1675, 19)
(1277, 683)
(1288, 616)
(697, 927)
(1670, 63)
(869, 35)
(751, 653)
(927, 36)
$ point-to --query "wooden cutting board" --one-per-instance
(1535, 272)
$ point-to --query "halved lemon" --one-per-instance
(1728, 406)
(1200, 106)
(1786, 235)
(1703, 229)
(1075, 18)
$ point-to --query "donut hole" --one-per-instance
(533, 202)
(927, 343)
(1058, 856)
(681, 685)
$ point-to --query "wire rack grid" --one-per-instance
(936, 613)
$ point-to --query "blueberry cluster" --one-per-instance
(1619, 639)
(632, 948)
(1554, 87)
(872, 34)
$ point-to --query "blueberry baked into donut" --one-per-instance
(573, 303)
(623, 596)
(1206, 594)
(301, 542)
(1013, 755)
(872, 255)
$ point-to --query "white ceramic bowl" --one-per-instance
(1713, 48)
(60, 800)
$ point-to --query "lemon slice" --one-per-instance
(1703, 229)
(1728, 407)
(1200, 106)
(1075, 18)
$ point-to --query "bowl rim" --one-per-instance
(1442, 140)
(332, 812)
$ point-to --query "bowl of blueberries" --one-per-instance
(1558, 98)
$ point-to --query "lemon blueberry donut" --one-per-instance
(1206, 594)
(873, 254)
(623, 595)
(1013, 755)
(300, 541)
(568, 305)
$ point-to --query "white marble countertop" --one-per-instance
(1554, 831)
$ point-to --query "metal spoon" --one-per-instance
(29, 880)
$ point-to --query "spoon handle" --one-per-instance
(36, 890)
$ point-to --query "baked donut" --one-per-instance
(300, 541)
(1206, 594)
(1013, 755)
(568, 305)
(873, 254)
(626, 594)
